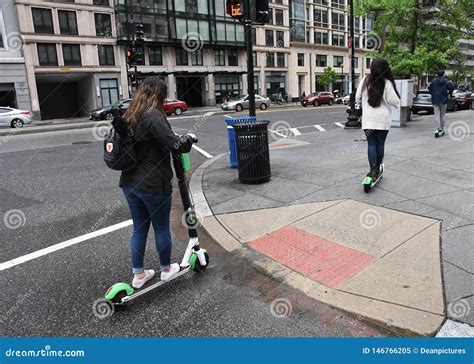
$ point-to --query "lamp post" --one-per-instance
(352, 118)
(250, 73)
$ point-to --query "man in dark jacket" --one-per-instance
(439, 89)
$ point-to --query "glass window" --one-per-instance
(155, 56)
(321, 18)
(109, 91)
(356, 42)
(368, 61)
(337, 61)
(301, 59)
(280, 59)
(341, 4)
(204, 29)
(338, 21)
(220, 28)
(202, 7)
(181, 29)
(256, 85)
(280, 39)
(181, 57)
(338, 40)
(255, 59)
(72, 54)
(270, 16)
(226, 87)
(2, 35)
(42, 20)
(67, 22)
(219, 57)
(101, 2)
(278, 17)
(47, 55)
(269, 38)
(320, 38)
(196, 58)
(355, 62)
(356, 23)
(106, 55)
(103, 24)
(254, 36)
(232, 57)
(161, 24)
(321, 60)
(230, 32)
(270, 59)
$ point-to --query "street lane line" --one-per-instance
(339, 124)
(295, 131)
(64, 244)
(279, 134)
(320, 128)
(203, 152)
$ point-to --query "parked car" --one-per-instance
(105, 112)
(242, 102)
(14, 118)
(465, 100)
(422, 102)
(318, 98)
(175, 106)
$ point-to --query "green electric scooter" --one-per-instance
(195, 258)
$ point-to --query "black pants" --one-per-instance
(375, 146)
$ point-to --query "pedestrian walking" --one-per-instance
(147, 187)
(377, 94)
(440, 88)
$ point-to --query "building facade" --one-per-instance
(319, 39)
(13, 80)
(72, 62)
(196, 48)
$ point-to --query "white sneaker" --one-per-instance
(139, 282)
(170, 272)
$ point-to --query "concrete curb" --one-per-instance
(363, 308)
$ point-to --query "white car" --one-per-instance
(242, 102)
(14, 118)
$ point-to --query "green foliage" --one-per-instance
(417, 39)
(329, 76)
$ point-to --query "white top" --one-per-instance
(379, 118)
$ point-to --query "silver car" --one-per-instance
(14, 118)
(242, 102)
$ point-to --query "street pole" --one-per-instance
(352, 118)
(248, 39)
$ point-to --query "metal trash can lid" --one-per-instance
(255, 126)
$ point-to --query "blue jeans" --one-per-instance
(145, 208)
(375, 146)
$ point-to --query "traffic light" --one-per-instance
(235, 8)
(139, 34)
(262, 12)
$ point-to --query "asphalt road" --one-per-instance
(57, 187)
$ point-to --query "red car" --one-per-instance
(318, 98)
(175, 106)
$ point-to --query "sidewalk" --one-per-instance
(400, 257)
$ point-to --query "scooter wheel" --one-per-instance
(198, 268)
(117, 300)
(366, 188)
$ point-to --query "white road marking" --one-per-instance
(279, 134)
(64, 244)
(203, 152)
(339, 124)
(320, 128)
(295, 131)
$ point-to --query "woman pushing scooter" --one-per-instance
(147, 187)
(377, 94)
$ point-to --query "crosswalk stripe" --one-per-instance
(295, 131)
(319, 127)
(339, 124)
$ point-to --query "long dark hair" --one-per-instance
(150, 96)
(375, 82)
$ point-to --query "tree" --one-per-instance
(328, 77)
(418, 36)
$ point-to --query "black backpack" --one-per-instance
(119, 150)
